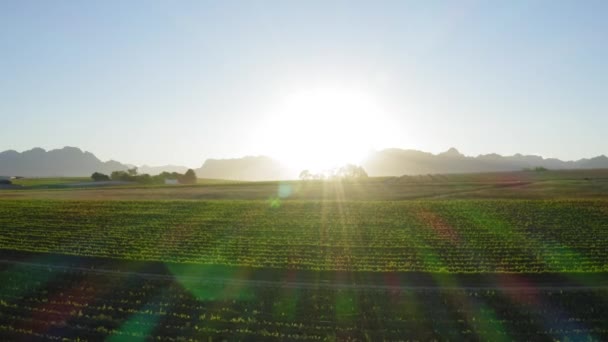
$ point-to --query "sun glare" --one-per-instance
(324, 127)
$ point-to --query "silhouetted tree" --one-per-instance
(189, 177)
(144, 179)
(121, 176)
(305, 175)
(361, 173)
(351, 171)
(99, 177)
(348, 171)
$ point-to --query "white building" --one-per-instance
(171, 181)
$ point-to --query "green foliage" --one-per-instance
(167, 175)
(95, 306)
(348, 171)
(132, 176)
(122, 176)
(351, 171)
(432, 236)
(100, 177)
(189, 177)
(210, 254)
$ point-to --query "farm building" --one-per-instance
(171, 181)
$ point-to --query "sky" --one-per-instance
(177, 82)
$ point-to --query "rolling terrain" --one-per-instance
(559, 184)
(492, 256)
(393, 162)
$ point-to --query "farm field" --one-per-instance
(466, 257)
(47, 304)
(336, 171)
(43, 182)
(563, 184)
(422, 236)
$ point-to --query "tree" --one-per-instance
(189, 177)
(121, 176)
(144, 179)
(360, 172)
(132, 176)
(351, 171)
(348, 171)
(100, 177)
(305, 175)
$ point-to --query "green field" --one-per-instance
(44, 304)
(508, 256)
(567, 184)
(426, 236)
(48, 182)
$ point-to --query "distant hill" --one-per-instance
(398, 162)
(73, 162)
(65, 162)
(246, 168)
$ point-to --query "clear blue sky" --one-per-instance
(158, 82)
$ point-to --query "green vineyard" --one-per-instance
(490, 270)
(75, 306)
(464, 236)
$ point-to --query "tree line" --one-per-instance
(348, 171)
(131, 175)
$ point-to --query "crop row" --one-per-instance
(437, 236)
(47, 304)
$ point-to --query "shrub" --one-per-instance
(100, 177)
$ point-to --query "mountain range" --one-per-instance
(250, 168)
(73, 162)
(397, 162)
(65, 162)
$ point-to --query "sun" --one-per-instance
(324, 127)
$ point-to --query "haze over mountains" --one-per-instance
(65, 162)
(246, 168)
(73, 162)
(396, 162)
